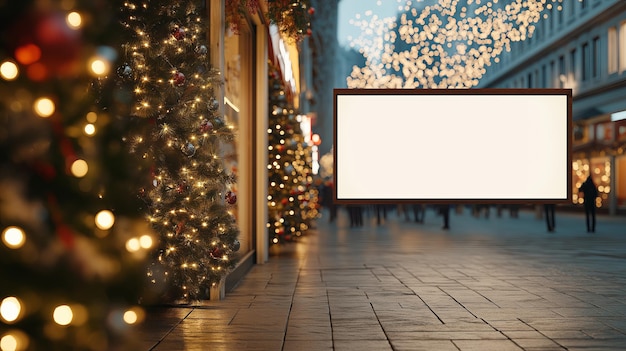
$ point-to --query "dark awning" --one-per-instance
(579, 115)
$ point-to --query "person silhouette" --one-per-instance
(419, 211)
(549, 212)
(590, 193)
(444, 210)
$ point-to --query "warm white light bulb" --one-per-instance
(145, 241)
(8, 343)
(79, 168)
(99, 66)
(74, 20)
(132, 245)
(63, 315)
(130, 317)
(10, 309)
(13, 237)
(90, 129)
(9, 70)
(105, 219)
(44, 107)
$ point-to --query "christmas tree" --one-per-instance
(71, 237)
(292, 200)
(180, 137)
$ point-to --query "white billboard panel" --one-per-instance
(445, 145)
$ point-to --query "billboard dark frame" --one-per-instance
(382, 137)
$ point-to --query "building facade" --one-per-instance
(580, 45)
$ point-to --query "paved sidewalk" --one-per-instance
(485, 284)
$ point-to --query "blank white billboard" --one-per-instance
(452, 145)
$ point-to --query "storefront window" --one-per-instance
(600, 169)
(620, 163)
(237, 114)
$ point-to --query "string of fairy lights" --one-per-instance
(191, 197)
(448, 44)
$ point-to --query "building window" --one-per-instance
(585, 62)
(595, 57)
(544, 76)
(552, 75)
(612, 50)
(570, 6)
(583, 4)
(561, 71)
(560, 14)
(530, 80)
(550, 17)
(572, 62)
(621, 47)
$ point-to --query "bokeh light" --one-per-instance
(44, 107)
(28, 54)
(132, 245)
(105, 219)
(90, 129)
(99, 66)
(79, 168)
(14, 340)
(130, 317)
(74, 20)
(9, 70)
(63, 315)
(91, 117)
(10, 309)
(13, 237)
(145, 241)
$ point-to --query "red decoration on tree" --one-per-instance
(178, 33)
(180, 226)
(206, 126)
(311, 11)
(182, 188)
(217, 253)
(231, 198)
(179, 78)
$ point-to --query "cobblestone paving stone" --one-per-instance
(496, 283)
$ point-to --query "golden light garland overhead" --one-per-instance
(448, 44)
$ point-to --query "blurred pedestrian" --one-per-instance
(514, 211)
(327, 199)
(356, 215)
(549, 212)
(419, 211)
(381, 213)
(444, 210)
(590, 193)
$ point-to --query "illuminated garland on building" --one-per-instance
(447, 45)
(174, 98)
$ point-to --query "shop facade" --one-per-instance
(241, 48)
(240, 55)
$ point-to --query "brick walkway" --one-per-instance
(486, 284)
